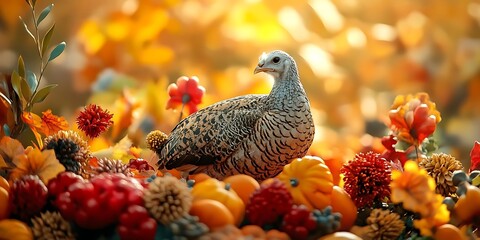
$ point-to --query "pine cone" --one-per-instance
(51, 225)
(167, 199)
(112, 166)
(441, 167)
(188, 226)
(70, 149)
(384, 225)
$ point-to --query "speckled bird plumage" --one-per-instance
(253, 134)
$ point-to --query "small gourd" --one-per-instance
(309, 180)
(220, 191)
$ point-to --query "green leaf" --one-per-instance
(21, 67)
(16, 83)
(57, 51)
(402, 145)
(32, 80)
(43, 93)
(6, 130)
(26, 29)
(46, 39)
(44, 13)
(27, 94)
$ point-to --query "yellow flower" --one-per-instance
(36, 162)
(438, 215)
(413, 187)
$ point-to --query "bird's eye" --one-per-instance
(276, 59)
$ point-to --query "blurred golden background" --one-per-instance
(354, 57)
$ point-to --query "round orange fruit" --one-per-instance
(3, 204)
(243, 185)
(212, 213)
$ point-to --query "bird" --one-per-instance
(254, 134)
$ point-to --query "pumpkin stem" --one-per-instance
(294, 182)
(227, 186)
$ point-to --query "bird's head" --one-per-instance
(276, 64)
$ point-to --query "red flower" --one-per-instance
(367, 178)
(475, 157)
(186, 92)
(93, 120)
(390, 152)
(413, 118)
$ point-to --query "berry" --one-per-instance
(299, 222)
(99, 202)
(327, 221)
(139, 164)
(61, 182)
(136, 223)
(268, 204)
(28, 196)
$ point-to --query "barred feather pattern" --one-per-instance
(254, 134)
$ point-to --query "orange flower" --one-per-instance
(413, 118)
(438, 216)
(35, 123)
(36, 162)
(52, 123)
(186, 92)
(414, 187)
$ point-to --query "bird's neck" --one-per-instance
(284, 90)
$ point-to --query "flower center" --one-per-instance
(185, 98)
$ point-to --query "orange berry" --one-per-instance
(342, 203)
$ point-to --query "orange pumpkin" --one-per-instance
(253, 231)
(309, 180)
(204, 208)
(243, 185)
(218, 190)
(342, 203)
(467, 206)
(199, 177)
(274, 234)
(448, 232)
(4, 213)
(4, 184)
(14, 229)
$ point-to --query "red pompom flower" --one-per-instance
(94, 120)
(186, 92)
(367, 178)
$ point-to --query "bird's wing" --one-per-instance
(212, 133)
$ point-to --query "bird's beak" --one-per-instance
(262, 69)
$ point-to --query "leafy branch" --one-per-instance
(25, 83)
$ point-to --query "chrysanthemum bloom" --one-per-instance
(186, 92)
(413, 118)
(70, 149)
(36, 162)
(94, 120)
(441, 166)
(367, 178)
(413, 187)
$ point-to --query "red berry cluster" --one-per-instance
(139, 164)
(268, 204)
(136, 223)
(96, 203)
(299, 222)
(28, 196)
